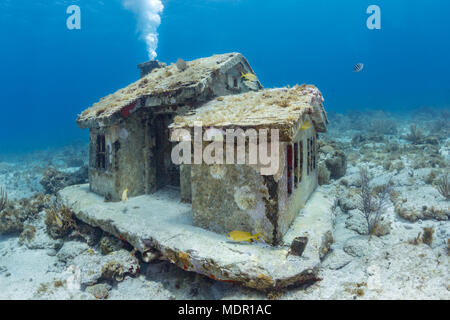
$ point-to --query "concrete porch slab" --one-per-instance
(160, 221)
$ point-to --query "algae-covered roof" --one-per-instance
(167, 86)
(280, 108)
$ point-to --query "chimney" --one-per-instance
(148, 67)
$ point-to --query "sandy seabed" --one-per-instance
(398, 263)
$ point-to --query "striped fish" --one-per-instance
(358, 67)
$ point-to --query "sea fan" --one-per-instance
(372, 201)
(415, 135)
(443, 186)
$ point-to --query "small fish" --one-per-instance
(358, 67)
(58, 221)
(239, 236)
(125, 195)
(249, 76)
(306, 125)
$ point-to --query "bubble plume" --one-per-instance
(149, 19)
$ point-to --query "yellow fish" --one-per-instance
(125, 195)
(249, 76)
(239, 236)
(306, 125)
(58, 221)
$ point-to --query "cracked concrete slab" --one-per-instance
(163, 223)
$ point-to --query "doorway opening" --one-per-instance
(167, 173)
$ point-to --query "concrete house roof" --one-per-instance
(163, 87)
(281, 108)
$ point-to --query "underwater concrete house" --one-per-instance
(133, 133)
(129, 135)
(227, 197)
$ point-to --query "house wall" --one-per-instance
(185, 183)
(228, 197)
(129, 158)
(132, 155)
(101, 181)
(290, 205)
(237, 197)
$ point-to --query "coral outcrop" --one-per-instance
(14, 215)
(54, 180)
(59, 221)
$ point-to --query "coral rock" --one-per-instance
(337, 165)
(54, 180)
(99, 291)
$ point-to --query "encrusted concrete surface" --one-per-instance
(163, 223)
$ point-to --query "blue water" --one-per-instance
(49, 74)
